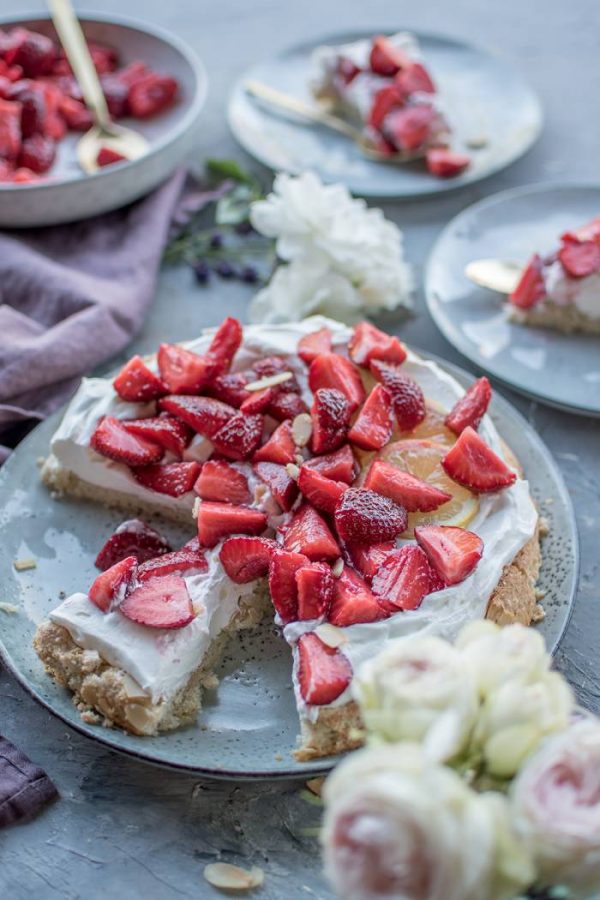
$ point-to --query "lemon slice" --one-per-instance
(432, 427)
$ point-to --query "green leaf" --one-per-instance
(228, 168)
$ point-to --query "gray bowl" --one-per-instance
(68, 194)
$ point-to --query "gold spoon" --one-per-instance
(104, 132)
(495, 274)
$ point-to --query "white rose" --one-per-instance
(556, 808)
(496, 655)
(418, 690)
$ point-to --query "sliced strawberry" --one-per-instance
(179, 562)
(386, 99)
(373, 427)
(240, 437)
(10, 129)
(315, 590)
(588, 232)
(367, 558)
(230, 388)
(385, 58)
(168, 431)
(150, 95)
(443, 163)
(225, 345)
(407, 396)
(204, 414)
(471, 408)
(108, 157)
(321, 492)
(324, 672)
(160, 603)
(174, 479)
(314, 344)
(415, 78)
(37, 153)
(246, 558)
(531, 287)
(276, 365)
(112, 439)
(182, 371)
(330, 414)
(34, 52)
(332, 371)
(339, 466)
(258, 401)
(132, 538)
(283, 488)
(113, 583)
(368, 343)
(353, 601)
(282, 583)
(220, 481)
(472, 463)
(579, 258)
(308, 533)
(364, 517)
(347, 69)
(402, 487)
(453, 552)
(136, 382)
(403, 579)
(286, 406)
(220, 520)
(280, 447)
(409, 128)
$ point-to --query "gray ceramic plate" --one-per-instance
(483, 95)
(248, 727)
(562, 370)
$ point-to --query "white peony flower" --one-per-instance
(556, 808)
(496, 655)
(418, 690)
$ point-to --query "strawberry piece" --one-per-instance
(10, 129)
(113, 584)
(415, 79)
(332, 371)
(246, 558)
(330, 414)
(453, 552)
(258, 401)
(472, 463)
(225, 345)
(112, 439)
(108, 157)
(282, 583)
(444, 163)
(339, 466)
(588, 232)
(240, 436)
(471, 408)
(37, 153)
(347, 69)
(409, 128)
(286, 406)
(368, 343)
(182, 371)
(315, 590)
(373, 427)
(275, 365)
(132, 538)
(160, 603)
(136, 382)
(280, 447)
(367, 558)
(222, 482)
(389, 97)
(314, 344)
(402, 579)
(324, 672)
(385, 58)
(402, 487)
(174, 479)
(531, 286)
(34, 52)
(33, 107)
(579, 258)
(282, 487)
(308, 533)
(353, 601)
(54, 124)
(407, 396)
(230, 388)
(168, 431)
(179, 562)
(321, 492)
(151, 95)
(204, 414)
(364, 517)
(219, 520)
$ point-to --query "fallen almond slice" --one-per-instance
(302, 429)
(233, 878)
(292, 470)
(22, 565)
(337, 568)
(331, 635)
(315, 785)
(9, 607)
(268, 381)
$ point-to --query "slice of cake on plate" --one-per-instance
(338, 482)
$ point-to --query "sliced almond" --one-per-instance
(8, 607)
(233, 878)
(292, 470)
(477, 142)
(337, 568)
(133, 690)
(331, 635)
(196, 507)
(22, 565)
(302, 429)
(315, 785)
(268, 381)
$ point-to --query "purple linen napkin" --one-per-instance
(24, 787)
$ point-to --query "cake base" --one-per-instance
(567, 319)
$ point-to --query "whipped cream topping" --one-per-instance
(583, 293)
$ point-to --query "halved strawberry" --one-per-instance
(167, 430)
(453, 552)
(364, 517)
(353, 601)
(403, 579)
(204, 414)
(112, 439)
(330, 414)
(182, 371)
(415, 78)
(282, 487)
(472, 463)
(407, 396)
(314, 344)
(219, 520)
(315, 590)
(531, 286)
(220, 481)
(579, 258)
(286, 406)
(276, 365)
(368, 343)
(386, 99)
(174, 479)
(407, 490)
(324, 672)
(588, 232)
(132, 538)
(240, 436)
(385, 58)
(280, 447)
(230, 388)
(308, 533)
(258, 401)
(321, 492)
(471, 408)
(246, 558)
(225, 345)
(444, 163)
(367, 558)
(282, 582)
(332, 371)
(409, 128)
(180, 562)
(136, 382)
(113, 584)
(374, 425)
(339, 466)
(160, 603)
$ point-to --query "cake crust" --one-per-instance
(567, 319)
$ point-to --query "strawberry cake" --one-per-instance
(338, 482)
(562, 290)
(383, 86)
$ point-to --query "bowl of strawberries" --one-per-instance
(152, 82)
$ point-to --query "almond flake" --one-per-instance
(331, 635)
(315, 785)
(337, 568)
(196, 507)
(233, 878)
(22, 565)
(9, 607)
(292, 470)
(302, 429)
(268, 381)
(477, 142)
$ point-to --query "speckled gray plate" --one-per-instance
(483, 96)
(558, 369)
(248, 727)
